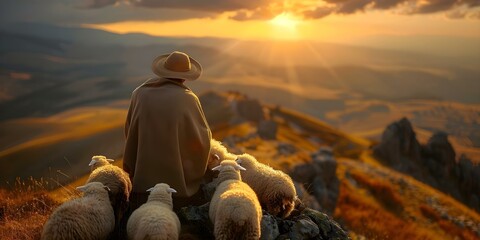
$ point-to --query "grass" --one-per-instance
(382, 191)
(24, 210)
(364, 216)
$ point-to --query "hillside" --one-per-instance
(366, 197)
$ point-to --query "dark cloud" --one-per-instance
(74, 12)
(96, 3)
(433, 6)
(353, 6)
(319, 12)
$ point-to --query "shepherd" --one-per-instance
(167, 134)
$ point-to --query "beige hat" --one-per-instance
(177, 65)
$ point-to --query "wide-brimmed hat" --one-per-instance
(177, 65)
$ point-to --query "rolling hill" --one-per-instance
(373, 201)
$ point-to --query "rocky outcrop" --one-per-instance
(398, 146)
(304, 223)
(434, 163)
(249, 109)
(267, 129)
(231, 108)
(319, 179)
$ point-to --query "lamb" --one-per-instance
(88, 217)
(116, 179)
(218, 153)
(155, 219)
(234, 209)
(275, 189)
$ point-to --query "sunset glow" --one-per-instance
(285, 20)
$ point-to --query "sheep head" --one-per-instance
(281, 206)
(94, 188)
(246, 159)
(161, 192)
(98, 161)
(229, 170)
(218, 152)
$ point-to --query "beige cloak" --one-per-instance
(167, 137)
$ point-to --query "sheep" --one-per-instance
(155, 219)
(88, 217)
(234, 209)
(218, 153)
(275, 189)
(116, 179)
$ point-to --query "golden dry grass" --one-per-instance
(365, 217)
(24, 210)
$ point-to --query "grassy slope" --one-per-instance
(374, 201)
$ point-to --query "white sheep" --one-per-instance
(116, 179)
(89, 217)
(275, 189)
(234, 209)
(155, 219)
(218, 153)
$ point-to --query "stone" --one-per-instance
(269, 228)
(328, 229)
(217, 108)
(195, 222)
(249, 109)
(303, 229)
(286, 149)
(267, 129)
(304, 173)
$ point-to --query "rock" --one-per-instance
(326, 164)
(195, 222)
(320, 179)
(433, 163)
(249, 109)
(269, 228)
(303, 229)
(217, 108)
(304, 173)
(399, 142)
(328, 229)
(286, 149)
(306, 224)
(441, 151)
(267, 129)
(326, 192)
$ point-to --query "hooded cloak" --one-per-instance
(167, 137)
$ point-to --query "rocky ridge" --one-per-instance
(433, 163)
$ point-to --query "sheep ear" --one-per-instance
(238, 167)
(238, 160)
(110, 160)
(217, 168)
(92, 162)
(150, 189)
(171, 190)
(216, 157)
(82, 188)
(107, 188)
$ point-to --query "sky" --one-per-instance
(344, 21)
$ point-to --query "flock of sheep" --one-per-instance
(243, 187)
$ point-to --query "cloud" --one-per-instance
(75, 12)
(94, 3)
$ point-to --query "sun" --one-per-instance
(285, 20)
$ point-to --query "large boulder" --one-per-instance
(267, 129)
(306, 223)
(434, 163)
(249, 109)
(319, 178)
(399, 145)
